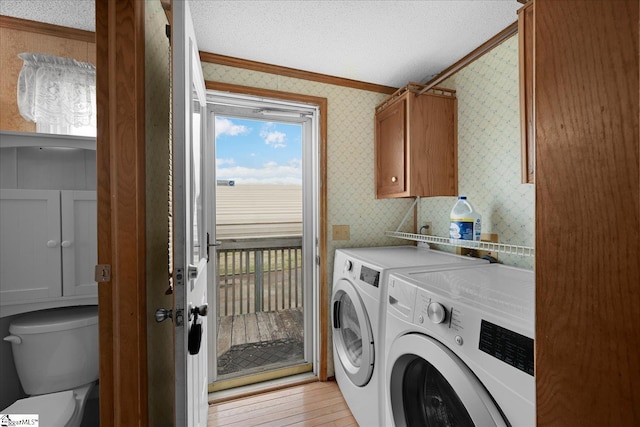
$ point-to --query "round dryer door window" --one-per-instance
(352, 335)
(430, 386)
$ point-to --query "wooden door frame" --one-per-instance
(120, 152)
(587, 209)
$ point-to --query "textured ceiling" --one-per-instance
(385, 42)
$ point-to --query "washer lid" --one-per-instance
(59, 319)
(54, 409)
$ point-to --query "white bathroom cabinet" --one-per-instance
(48, 249)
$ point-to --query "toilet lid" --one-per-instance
(55, 408)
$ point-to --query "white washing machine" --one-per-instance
(359, 287)
(459, 348)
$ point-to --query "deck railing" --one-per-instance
(261, 274)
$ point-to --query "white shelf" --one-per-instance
(485, 246)
(10, 139)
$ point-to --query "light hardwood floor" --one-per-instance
(313, 404)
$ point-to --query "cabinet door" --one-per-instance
(391, 150)
(30, 263)
(79, 242)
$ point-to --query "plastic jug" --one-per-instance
(466, 223)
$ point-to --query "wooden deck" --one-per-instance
(259, 327)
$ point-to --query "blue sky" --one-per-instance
(258, 152)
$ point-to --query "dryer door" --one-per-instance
(352, 336)
(430, 386)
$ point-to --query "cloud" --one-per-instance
(273, 137)
(270, 173)
(226, 127)
(220, 162)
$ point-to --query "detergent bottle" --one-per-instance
(466, 223)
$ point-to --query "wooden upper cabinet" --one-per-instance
(416, 144)
(527, 113)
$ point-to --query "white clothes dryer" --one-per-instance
(459, 348)
(359, 288)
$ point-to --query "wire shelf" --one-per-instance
(485, 246)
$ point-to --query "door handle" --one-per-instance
(336, 314)
(195, 330)
(202, 310)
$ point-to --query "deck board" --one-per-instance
(259, 327)
(263, 326)
(251, 327)
(238, 331)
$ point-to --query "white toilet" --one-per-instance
(56, 356)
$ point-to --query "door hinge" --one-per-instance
(103, 273)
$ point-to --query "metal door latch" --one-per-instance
(102, 273)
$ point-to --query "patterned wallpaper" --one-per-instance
(157, 169)
(489, 153)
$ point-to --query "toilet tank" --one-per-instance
(55, 350)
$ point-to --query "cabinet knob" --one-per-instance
(52, 243)
(394, 179)
(65, 244)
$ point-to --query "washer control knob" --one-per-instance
(436, 312)
(348, 265)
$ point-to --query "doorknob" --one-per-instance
(163, 314)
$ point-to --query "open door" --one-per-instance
(190, 225)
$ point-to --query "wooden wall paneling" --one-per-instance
(587, 213)
(15, 40)
(120, 49)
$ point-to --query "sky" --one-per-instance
(258, 152)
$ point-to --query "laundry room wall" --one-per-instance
(489, 153)
(157, 137)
